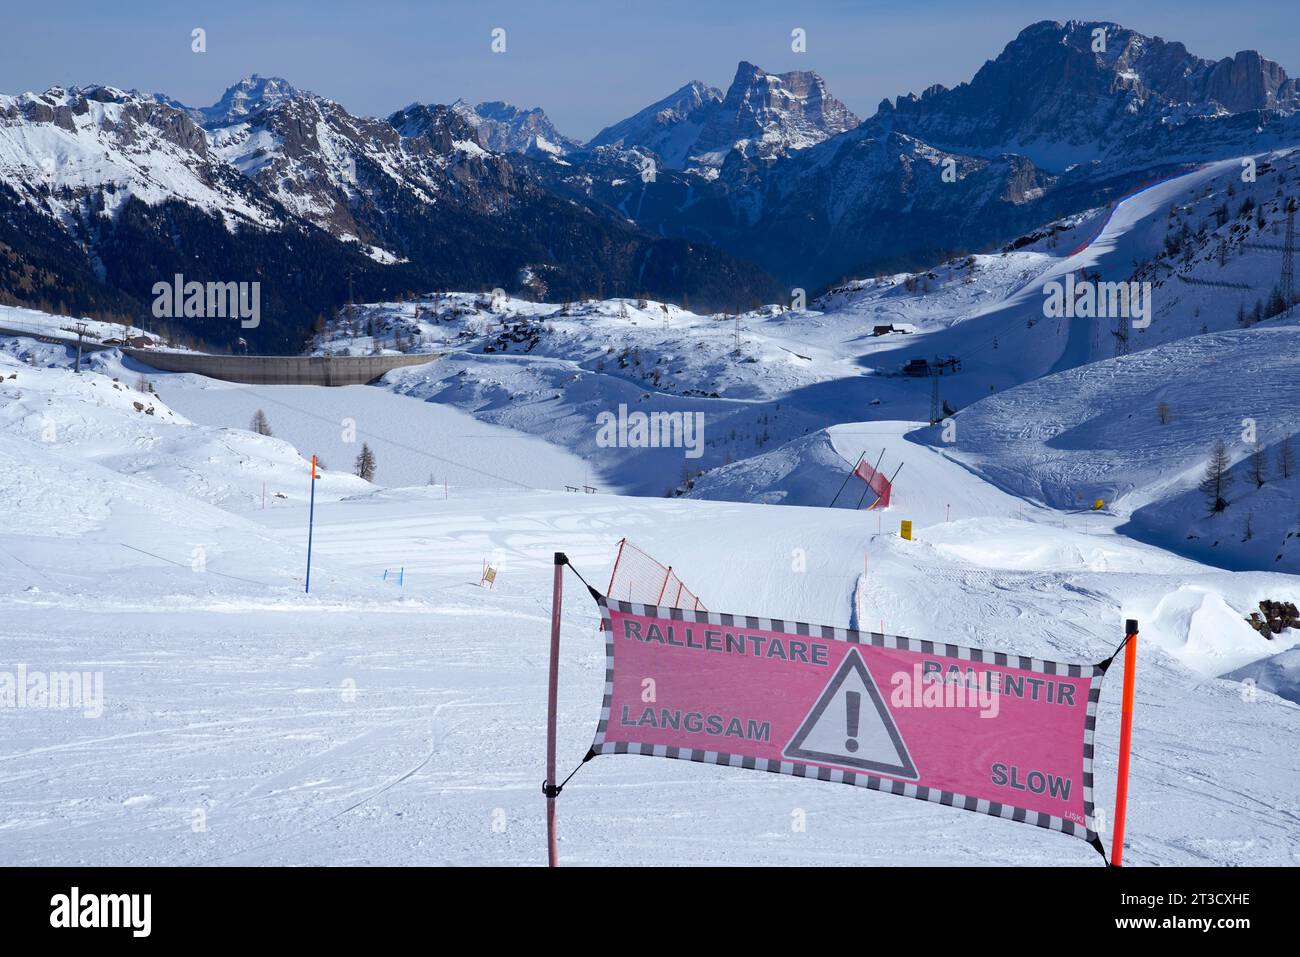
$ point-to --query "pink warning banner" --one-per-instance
(985, 731)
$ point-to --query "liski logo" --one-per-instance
(657, 430)
(1091, 299)
(211, 300)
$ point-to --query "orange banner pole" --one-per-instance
(1125, 743)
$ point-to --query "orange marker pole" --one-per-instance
(1125, 743)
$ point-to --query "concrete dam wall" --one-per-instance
(280, 370)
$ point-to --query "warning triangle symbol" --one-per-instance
(851, 727)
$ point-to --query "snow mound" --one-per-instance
(806, 471)
(1279, 674)
(1196, 625)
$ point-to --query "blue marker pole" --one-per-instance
(311, 519)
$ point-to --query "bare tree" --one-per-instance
(1216, 481)
(1258, 465)
(1285, 458)
(260, 425)
(365, 466)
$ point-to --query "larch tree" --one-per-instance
(1215, 483)
(365, 465)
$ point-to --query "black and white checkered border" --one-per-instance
(841, 776)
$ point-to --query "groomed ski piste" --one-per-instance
(147, 535)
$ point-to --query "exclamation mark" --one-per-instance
(852, 702)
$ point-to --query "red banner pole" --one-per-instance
(617, 558)
(614, 574)
(549, 789)
(664, 586)
(1125, 743)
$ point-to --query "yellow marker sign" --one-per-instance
(905, 529)
(1098, 505)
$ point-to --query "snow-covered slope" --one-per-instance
(414, 442)
(551, 369)
(245, 722)
(1137, 432)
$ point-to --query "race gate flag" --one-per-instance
(984, 731)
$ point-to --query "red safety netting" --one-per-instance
(879, 484)
(639, 578)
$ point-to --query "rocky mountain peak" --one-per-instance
(249, 96)
(1065, 93)
(790, 110)
(763, 114)
(504, 128)
(667, 127)
(442, 126)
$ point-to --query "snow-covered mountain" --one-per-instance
(74, 153)
(772, 114)
(505, 128)
(249, 96)
(761, 115)
(108, 191)
(1099, 91)
(667, 128)
(1047, 129)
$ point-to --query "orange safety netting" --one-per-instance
(639, 578)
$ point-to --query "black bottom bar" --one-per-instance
(336, 907)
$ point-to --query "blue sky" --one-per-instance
(586, 63)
